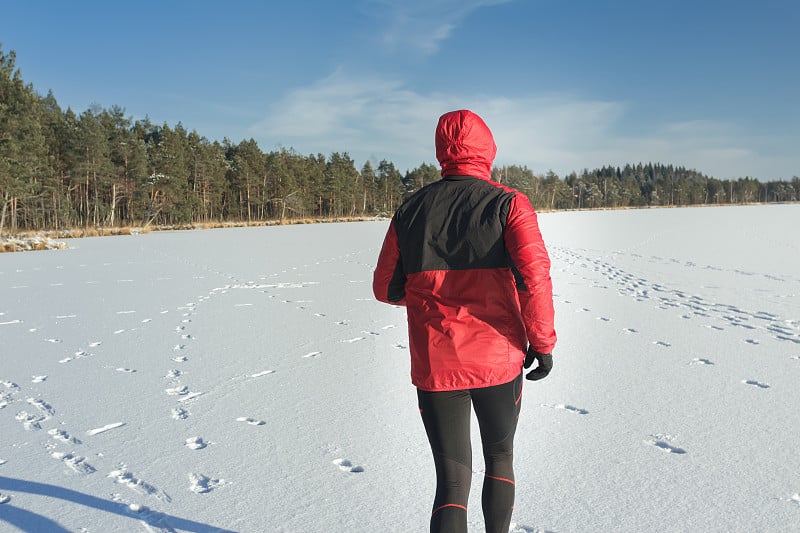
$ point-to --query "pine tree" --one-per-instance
(390, 188)
(22, 146)
(369, 183)
(420, 177)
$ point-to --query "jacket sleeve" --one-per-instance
(532, 269)
(389, 280)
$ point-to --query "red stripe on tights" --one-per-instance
(500, 479)
(447, 505)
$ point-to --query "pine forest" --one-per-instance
(99, 168)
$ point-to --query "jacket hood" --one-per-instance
(464, 145)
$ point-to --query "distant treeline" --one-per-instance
(103, 169)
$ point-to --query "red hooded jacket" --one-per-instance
(466, 258)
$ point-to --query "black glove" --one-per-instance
(545, 364)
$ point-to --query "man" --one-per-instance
(466, 258)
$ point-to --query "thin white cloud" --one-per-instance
(422, 25)
(373, 118)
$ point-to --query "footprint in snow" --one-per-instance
(345, 465)
(354, 339)
(179, 413)
(567, 407)
(125, 370)
(251, 421)
(124, 477)
(752, 341)
(662, 443)
(629, 330)
(30, 422)
(662, 343)
(75, 462)
(200, 484)
(42, 406)
(312, 354)
(755, 383)
(700, 361)
(63, 436)
(195, 443)
(38, 379)
(190, 397)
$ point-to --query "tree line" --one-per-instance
(100, 168)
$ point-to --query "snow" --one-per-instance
(245, 380)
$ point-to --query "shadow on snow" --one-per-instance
(29, 521)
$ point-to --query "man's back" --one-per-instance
(466, 257)
(456, 223)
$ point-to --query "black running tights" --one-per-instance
(446, 416)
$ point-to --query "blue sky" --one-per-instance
(563, 84)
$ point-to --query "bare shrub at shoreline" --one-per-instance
(46, 239)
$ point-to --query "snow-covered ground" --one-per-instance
(246, 380)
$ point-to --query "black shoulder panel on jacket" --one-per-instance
(455, 223)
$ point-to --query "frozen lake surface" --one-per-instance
(246, 380)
